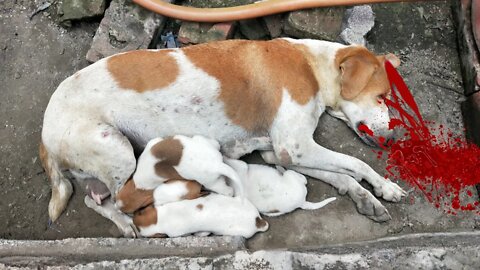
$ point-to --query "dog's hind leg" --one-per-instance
(61, 186)
(95, 149)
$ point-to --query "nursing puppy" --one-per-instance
(130, 198)
(274, 192)
(215, 213)
(181, 157)
(176, 158)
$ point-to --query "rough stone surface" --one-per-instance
(254, 29)
(423, 251)
(319, 23)
(80, 9)
(125, 27)
(195, 33)
(469, 53)
(357, 22)
(274, 24)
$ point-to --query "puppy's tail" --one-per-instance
(235, 179)
(61, 186)
(317, 205)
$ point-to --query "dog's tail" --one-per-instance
(234, 178)
(317, 205)
(61, 186)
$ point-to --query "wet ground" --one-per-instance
(36, 55)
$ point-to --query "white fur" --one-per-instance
(201, 161)
(169, 192)
(273, 192)
(219, 214)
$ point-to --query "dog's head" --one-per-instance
(363, 87)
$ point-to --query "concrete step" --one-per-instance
(416, 251)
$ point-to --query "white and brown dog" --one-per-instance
(247, 95)
(274, 192)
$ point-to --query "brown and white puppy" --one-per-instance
(183, 157)
(215, 213)
(174, 158)
(130, 198)
(255, 95)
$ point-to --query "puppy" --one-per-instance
(178, 157)
(181, 157)
(215, 213)
(130, 198)
(274, 192)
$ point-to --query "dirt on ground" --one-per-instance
(36, 55)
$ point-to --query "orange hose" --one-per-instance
(258, 9)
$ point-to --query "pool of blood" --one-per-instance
(431, 158)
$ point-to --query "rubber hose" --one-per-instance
(257, 9)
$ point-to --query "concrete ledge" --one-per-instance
(84, 250)
(415, 251)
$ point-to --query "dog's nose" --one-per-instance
(389, 141)
(359, 124)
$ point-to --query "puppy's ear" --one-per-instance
(356, 72)
(145, 217)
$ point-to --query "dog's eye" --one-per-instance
(380, 98)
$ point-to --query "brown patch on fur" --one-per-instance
(260, 223)
(274, 211)
(145, 217)
(143, 70)
(200, 206)
(169, 152)
(253, 74)
(44, 160)
(362, 72)
(194, 190)
(133, 198)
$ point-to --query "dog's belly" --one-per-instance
(168, 113)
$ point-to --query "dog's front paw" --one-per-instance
(368, 205)
(390, 191)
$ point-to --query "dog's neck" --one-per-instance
(321, 56)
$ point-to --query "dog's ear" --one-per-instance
(356, 71)
(393, 59)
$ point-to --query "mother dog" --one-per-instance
(248, 95)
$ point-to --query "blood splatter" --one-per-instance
(441, 165)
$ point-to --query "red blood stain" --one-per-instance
(442, 167)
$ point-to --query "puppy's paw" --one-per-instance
(368, 205)
(390, 191)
